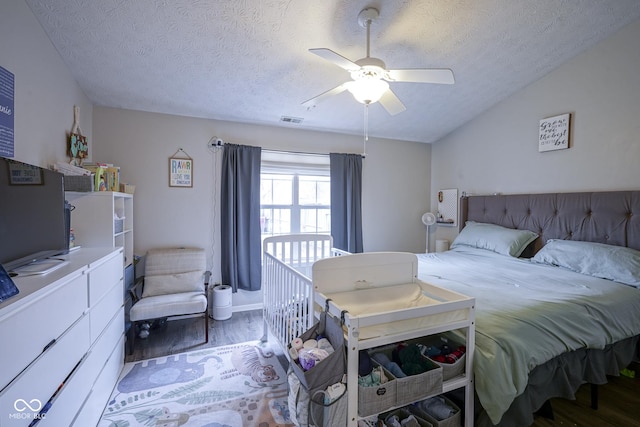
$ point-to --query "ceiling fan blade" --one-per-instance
(336, 58)
(317, 99)
(391, 103)
(432, 75)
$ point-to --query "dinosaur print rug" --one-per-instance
(232, 386)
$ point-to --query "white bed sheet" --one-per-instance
(527, 314)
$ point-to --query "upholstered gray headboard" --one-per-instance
(611, 217)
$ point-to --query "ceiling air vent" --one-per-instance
(289, 119)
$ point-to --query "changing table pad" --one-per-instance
(391, 298)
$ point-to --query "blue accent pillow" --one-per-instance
(506, 241)
(615, 263)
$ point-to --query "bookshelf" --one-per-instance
(92, 220)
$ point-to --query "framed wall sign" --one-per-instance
(554, 133)
(24, 174)
(180, 170)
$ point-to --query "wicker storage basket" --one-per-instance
(403, 413)
(453, 421)
(449, 370)
(415, 387)
(81, 183)
(127, 188)
(420, 386)
(373, 400)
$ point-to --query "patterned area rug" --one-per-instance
(231, 386)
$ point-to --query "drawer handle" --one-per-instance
(46, 347)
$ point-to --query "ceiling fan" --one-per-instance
(370, 75)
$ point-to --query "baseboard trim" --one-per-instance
(246, 307)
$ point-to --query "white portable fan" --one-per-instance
(428, 219)
(370, 76)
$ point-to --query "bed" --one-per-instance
(580, 352)
(543, 329)
(287, 290)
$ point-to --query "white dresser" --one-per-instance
(62, 342)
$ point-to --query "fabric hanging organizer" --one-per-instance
(330, 370)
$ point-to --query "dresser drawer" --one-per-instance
(100, 351)
(79, 386)
(26, 332)
(40, 380)
(109, 370)
(102, 313)
(103, 277)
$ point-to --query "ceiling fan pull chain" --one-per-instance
(366, 123)
(366, 130)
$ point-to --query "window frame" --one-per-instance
(308, 165)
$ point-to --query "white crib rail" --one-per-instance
(287, 298)
(286, 283)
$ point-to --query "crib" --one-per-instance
(287, 289)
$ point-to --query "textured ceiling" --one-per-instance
(248, 60)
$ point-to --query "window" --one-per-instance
(294, 197)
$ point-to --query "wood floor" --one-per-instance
(619, 400)
(618, 405)
(188, 334)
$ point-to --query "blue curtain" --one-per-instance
(240, 217)
(346, 205)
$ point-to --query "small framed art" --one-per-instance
(180, 172)
(554, 133)
(24, 174)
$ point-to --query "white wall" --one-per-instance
(395, 177)
(45, 90)
(498, 151)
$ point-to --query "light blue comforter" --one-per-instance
(527, 314)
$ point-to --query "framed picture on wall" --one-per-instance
(180, 172)
(24, 174)
(554, 133)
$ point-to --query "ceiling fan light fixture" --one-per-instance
(367, 91)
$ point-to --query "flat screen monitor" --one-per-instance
(33, 219)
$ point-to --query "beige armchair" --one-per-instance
(174, 285)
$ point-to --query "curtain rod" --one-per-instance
(301, 152)
(294, 152)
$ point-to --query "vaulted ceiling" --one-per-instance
(248, 60)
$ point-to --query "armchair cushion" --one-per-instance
(162, 261)
(192, 281)
(168, 305)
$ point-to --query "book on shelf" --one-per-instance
(107, 178)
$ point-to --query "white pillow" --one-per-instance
(191, 281)
(615, 263)
(506, 241)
